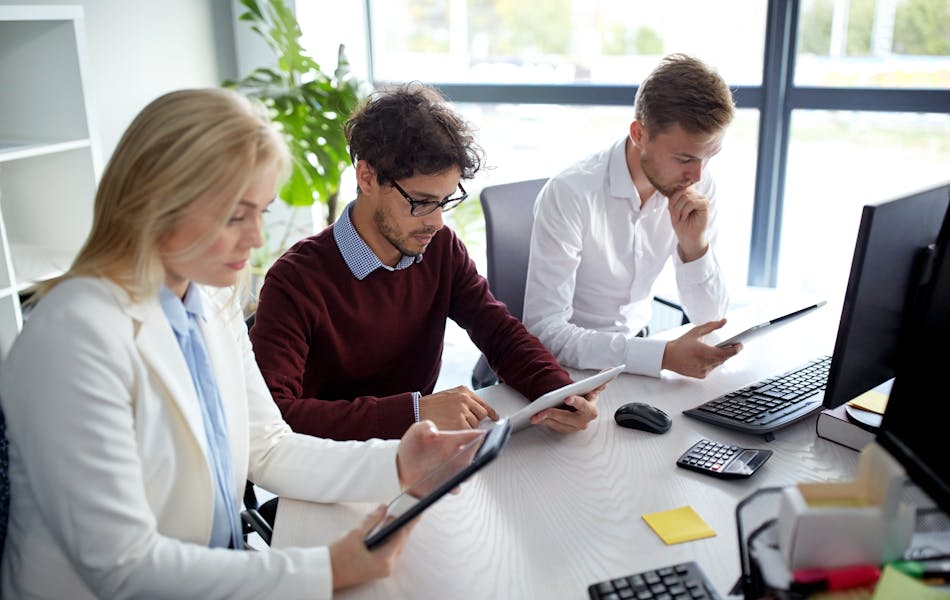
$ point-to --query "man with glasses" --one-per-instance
(350, 324)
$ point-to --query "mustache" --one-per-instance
(427, 231)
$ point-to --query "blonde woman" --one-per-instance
(135, 409)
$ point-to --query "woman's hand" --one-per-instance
(352, 563)
(424, 447)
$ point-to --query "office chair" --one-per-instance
(4, 482)
(252, 519)
(509, 216)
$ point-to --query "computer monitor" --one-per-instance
(912, 430)
(891, 238)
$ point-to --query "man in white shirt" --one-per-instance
(605, 227)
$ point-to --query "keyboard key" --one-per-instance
(685, 580)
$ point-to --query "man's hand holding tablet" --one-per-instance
(567, 409)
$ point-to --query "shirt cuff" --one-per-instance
(645, 356)
(416, 396)
(696, 271)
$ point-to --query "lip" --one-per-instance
(237, 266)
(423, 239)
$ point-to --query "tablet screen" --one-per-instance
(443, 479)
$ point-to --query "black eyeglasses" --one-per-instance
(421, 208)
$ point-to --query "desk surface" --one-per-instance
(555, 513)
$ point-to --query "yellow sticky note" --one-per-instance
(895, 584)
(678, 525)
(873, 401)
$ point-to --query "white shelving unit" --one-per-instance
(49, 152)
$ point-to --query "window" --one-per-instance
(874, 43)
(841, 101)
(559, 41)
(837, 162)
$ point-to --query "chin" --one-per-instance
(223, 281)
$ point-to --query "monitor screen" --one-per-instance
(912, 429)
(891, 239)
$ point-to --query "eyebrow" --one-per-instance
(426, 197)
(694, 157)
(250, 204)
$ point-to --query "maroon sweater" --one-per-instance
(342, 356)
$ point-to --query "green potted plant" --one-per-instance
(311, 108)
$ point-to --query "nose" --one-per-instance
(254, 234)
(433, 220)
(694, 172)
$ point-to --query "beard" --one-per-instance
(385, 224)
(654, 178)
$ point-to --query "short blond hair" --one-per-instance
(184, 145)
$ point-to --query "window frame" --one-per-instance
(775, 99)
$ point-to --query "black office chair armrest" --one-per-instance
(482, 374)
(674, 306)
(253, 522)
(251, 518)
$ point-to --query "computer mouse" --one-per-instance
(637, 415)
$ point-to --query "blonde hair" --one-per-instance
(183, 146)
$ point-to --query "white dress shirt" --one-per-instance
(595, 255)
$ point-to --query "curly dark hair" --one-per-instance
(685, 90)
(408, 129)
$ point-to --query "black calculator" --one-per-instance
(725, 461)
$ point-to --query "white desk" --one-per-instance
(555, 513)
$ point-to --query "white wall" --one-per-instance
(140, 49)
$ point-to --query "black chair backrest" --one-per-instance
(509, 216)
(4, 482)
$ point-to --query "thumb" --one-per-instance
(370, 521)
(463, 436)
(701, 330)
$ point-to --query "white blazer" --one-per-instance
(111, 484)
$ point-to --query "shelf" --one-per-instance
(11, 150)
(33, 263)
(49, 155)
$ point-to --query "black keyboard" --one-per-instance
(769, 404)
(685, 580)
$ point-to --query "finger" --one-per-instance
(474, 399)
(372, 519)
(676, 213)
(394, 544)
(566, 421)
(481, 409)
(491, 412)
(584, 408)
(459, 437)
(562, 421)
(705, 328)
(426, 428)
(470, 418)
(729, 351)
(592, 395)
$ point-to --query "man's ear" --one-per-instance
(365, 177)
(636, 133)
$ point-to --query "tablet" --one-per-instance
(522, 418)
(757, 330)
(438, 482)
